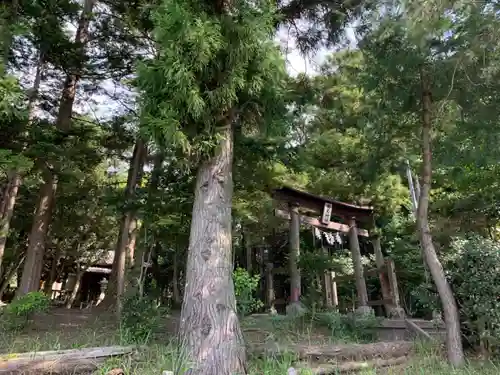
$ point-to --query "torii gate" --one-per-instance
(299, 206)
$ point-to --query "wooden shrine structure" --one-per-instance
(330, 215)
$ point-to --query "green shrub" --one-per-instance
(17, 314)
(245, 286)
(350, 327)
(474, 273)
(140, 316)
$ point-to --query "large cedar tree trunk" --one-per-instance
(30, 279)
(36, 241)
(210, 332)
(116, 286)
(450, 309)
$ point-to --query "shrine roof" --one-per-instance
(316, 203)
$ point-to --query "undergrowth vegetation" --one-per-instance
(18, 314)
(161, 352)
(140, 316)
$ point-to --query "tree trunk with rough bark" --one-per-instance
(210, 331)
(9, 195)
(451, 316)
(7, 209)
(116, 286)
(36, 241)
(30, 280)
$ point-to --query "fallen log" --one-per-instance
(60, 361)
(325, 353)
(348, 367)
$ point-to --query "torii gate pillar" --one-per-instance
(294, 242)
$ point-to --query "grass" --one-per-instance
(160, 354)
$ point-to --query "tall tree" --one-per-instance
(217, 69)
(450, 308)
(116, 286)
(36, 241)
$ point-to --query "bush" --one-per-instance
(350, 327)
(140, 316)
(17, 314)
(474, 273)
(245, 286)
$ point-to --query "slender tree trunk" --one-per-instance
(209, 328)
(52, 275)
(175, 281)
(41, 221)
(155, 266)
(116, 286)
(11, 190)
(248, 253)
(132, 241)
(8, 204)
(136, 257)
(450, 309)
(9, 273)
(76, 288)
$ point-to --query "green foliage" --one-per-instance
(245, 286)
(474, 270)
(350, 327)
(140, 316)
(18, 313)
(11, 100)
(212, 67)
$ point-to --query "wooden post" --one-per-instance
(327, 281)
(248, 253)
(335, 297)
(391, 273)
(384, 282)
(393, 282)
(358, 266)
(295, 286)
(263, 256)
(270, 287)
